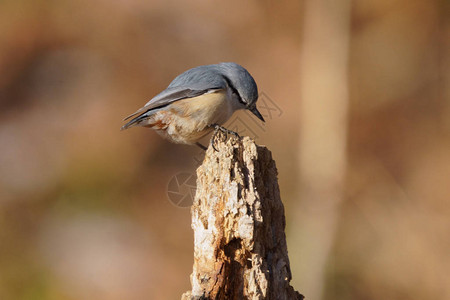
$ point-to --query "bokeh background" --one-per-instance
(357, 102)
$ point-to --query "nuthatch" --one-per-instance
(197, 101)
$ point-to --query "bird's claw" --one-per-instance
(224, 131)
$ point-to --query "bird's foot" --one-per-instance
(224, 132)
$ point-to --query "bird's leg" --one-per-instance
(225, 131)
(218, 128)
(201, 146)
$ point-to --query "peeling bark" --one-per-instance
(238, 220)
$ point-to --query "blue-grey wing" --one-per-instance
(166, 97)
(192, 83)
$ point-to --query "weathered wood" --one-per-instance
(238, 220)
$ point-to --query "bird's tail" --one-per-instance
(135, 121)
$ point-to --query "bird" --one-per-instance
(197, 102)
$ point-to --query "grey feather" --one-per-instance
(198, 81)
(166, 97)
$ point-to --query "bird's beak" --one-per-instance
(255, 111)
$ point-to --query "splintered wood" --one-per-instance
(238, 221)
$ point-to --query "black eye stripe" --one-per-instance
(234, 89)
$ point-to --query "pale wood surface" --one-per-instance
(238, 220)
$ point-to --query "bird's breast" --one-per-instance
(186, 121)
(208, 108)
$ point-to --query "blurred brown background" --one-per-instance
(357, 103)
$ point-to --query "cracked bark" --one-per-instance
(238, 220)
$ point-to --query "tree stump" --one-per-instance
(238, 220)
